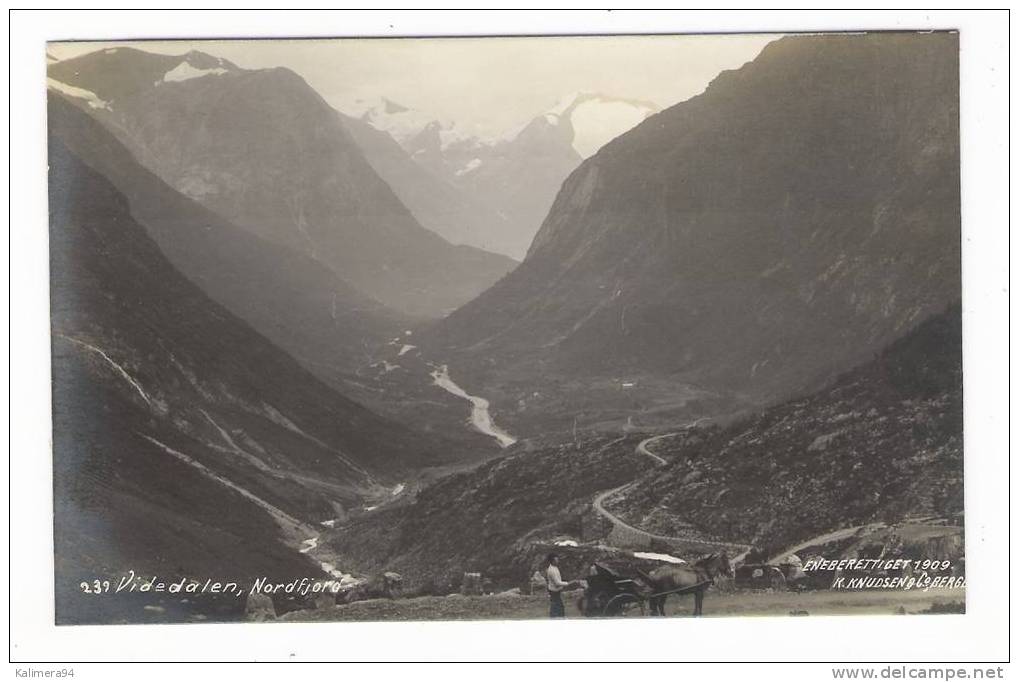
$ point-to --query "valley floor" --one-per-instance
(510, 606)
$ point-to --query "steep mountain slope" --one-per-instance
(486, 520)
(292, 299)
(265, 151)
(883, 443)
(754, 241)
(185, 444)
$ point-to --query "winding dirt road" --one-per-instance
(840, 534)
(642, 448)
(620, 525)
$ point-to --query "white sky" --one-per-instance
(485, 84)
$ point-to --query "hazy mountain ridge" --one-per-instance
(518, 177)
(304, 183)
(808, 200)
(496, 189)
(293, 300)
(438, 204)
(333, 330)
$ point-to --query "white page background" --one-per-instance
(979, 635)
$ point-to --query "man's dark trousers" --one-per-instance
(555, 605)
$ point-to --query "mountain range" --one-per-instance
(289, 297)
(490, 192)
(263, 150)
(333, 330)
(442, 206)
(276, 324)
(751, 242)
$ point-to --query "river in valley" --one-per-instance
(481, 418)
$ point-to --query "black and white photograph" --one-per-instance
(609, 327)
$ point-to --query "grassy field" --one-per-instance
(742, 603)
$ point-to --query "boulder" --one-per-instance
(259, 608)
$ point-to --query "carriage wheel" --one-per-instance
(622, 605)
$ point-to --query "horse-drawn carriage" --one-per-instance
(610, 594)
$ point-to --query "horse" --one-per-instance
(673, 577)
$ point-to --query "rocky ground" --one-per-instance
(514, 606)
(489, 519)
(883, 443)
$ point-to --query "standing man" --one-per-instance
(556, 585)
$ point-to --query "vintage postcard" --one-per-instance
(506, 328)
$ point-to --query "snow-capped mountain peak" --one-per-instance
(185, 71)
(597, 118)
(88, 96)
(113, 73)
(403, 122)
(594, 118)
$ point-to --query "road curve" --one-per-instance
(599, 507)
(643, 449)
(840, 534)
